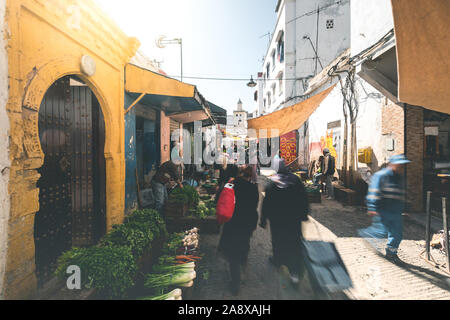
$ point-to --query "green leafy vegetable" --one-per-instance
(186, 195)
(109, 269)
(137, 232)
(168, 279)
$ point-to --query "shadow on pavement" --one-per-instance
(438, 279)
(434, 278)
(344, 221)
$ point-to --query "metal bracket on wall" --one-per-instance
(135, 102)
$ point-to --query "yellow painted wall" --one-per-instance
(46, 40)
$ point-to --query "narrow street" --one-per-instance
(122, 123)
(374, 277)
(260, 279)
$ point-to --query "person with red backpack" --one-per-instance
(234, 243)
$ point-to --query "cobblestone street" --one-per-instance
(373, 276)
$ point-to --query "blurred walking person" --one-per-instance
(236, 233)
(286, 206)
(386, 202)
(228, 170)
(328, 169)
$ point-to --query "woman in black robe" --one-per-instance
(285, 205)
(235, 240)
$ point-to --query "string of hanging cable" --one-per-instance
(234, 79)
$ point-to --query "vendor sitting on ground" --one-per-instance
(318, 171)
(166, 175)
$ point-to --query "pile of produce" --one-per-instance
(186, 195)
(210, 186)
(181, 242)
(193, 196)
(174, 243)
(204, 209)
(173, 268)
(191, 238)
(111, 266)
(181, 275)
(178, 196)
(172, 271)
(137, 232)
(175, 260)
(110, 270)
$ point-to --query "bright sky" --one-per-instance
(221, 38)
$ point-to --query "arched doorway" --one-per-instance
(72, 184)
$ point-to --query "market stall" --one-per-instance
(190, 207)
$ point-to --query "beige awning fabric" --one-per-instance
(422, 31)
(290, 118)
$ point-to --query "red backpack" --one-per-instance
(226, 203)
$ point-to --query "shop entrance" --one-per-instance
(436, 158)
(72, 202)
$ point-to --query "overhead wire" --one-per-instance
(318, 10)
(267, 79)
(235, 79)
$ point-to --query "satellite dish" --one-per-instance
(159, 43)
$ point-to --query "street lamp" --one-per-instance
(161, 43)
(252, 83)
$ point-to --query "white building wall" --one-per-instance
(275, 69)
(290, 51)
(4, 146)
(330, 110)
(369, 121)
(371, 20)
(260, 96)
(329, 43)
(296, 20)
(368, 125)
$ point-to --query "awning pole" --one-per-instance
(135, 102)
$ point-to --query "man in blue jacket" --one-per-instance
(386, 202)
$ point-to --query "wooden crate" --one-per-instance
(314, 197)
(175, 209)
(346, 196)
(150, 255)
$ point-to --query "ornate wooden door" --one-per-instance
(72, 179)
